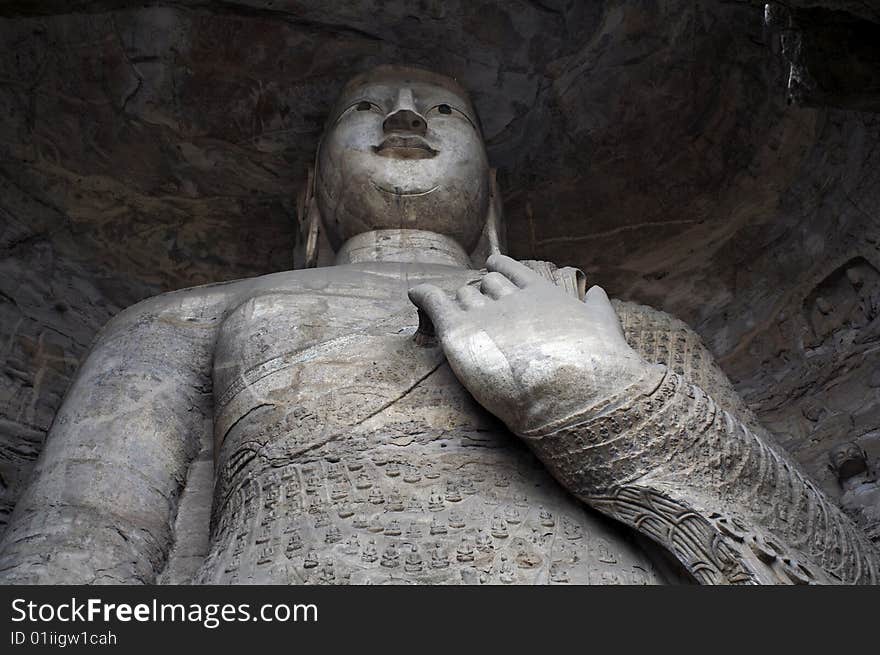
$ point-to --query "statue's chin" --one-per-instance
(417, 196)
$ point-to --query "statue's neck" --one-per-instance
(406, 246)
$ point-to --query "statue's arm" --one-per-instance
(664, 458)
(660, 338)
(104, 492)
(637, 440)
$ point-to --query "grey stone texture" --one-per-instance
(151, 149)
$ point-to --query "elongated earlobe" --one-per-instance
(305, 249)
(312, 248)
(493, 240)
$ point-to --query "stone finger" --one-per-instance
(469, 297)
(495, 286)
(600, 307)
(435, 304)
(520, 274)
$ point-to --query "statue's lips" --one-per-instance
(397, 191)
(404, 147)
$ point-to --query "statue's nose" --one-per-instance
(404, 117)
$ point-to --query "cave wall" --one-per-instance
(150, 147)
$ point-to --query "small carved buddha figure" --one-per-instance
(499, 527)
(467, 487)
(414, 531)
(376, 496)
(506, 570)
(860, 489)
(512, 515)
(295, 539)
(333, 535)
(439, 557)
(370, 552)
(334, 472)
(559, 572)
(390, 556)
(266, 555)
(435, 502)
(328, 573)
(455, 520)
(438, 525)
(352, 545)
(465, 551)
(234, 563)
(402, 332)
(321, 519)
(395, 501)
(413, 563)
(294, 543)
(311, 560)
(376, 525)
(848, 461)
(412, 475)
(340, 491)
(265, 534)
(483, 541)
(312, 484)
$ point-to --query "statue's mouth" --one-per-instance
(399, 146)
(397, 191)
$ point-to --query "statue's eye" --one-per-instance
(363, 105)
(444, 109)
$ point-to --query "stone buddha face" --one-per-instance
(402, 150)
(848, 460)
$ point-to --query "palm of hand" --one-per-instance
(526, 350)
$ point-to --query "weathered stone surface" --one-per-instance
(148, 149)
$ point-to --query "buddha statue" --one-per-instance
(408, 373)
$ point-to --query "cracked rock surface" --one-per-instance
(144, 149)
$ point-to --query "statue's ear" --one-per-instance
(493, 240)
(312, 248)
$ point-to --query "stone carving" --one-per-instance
(641, 442)
(356, 440)
(848, 460)
(860, 491)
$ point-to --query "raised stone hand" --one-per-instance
(637, 441)
(527, 351)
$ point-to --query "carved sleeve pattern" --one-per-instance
(668, 461)
(699, 474)
(663, 339)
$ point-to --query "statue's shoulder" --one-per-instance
(635, 316)
(201, 308)
(224, 297)
(182, 303)
(661, 338)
